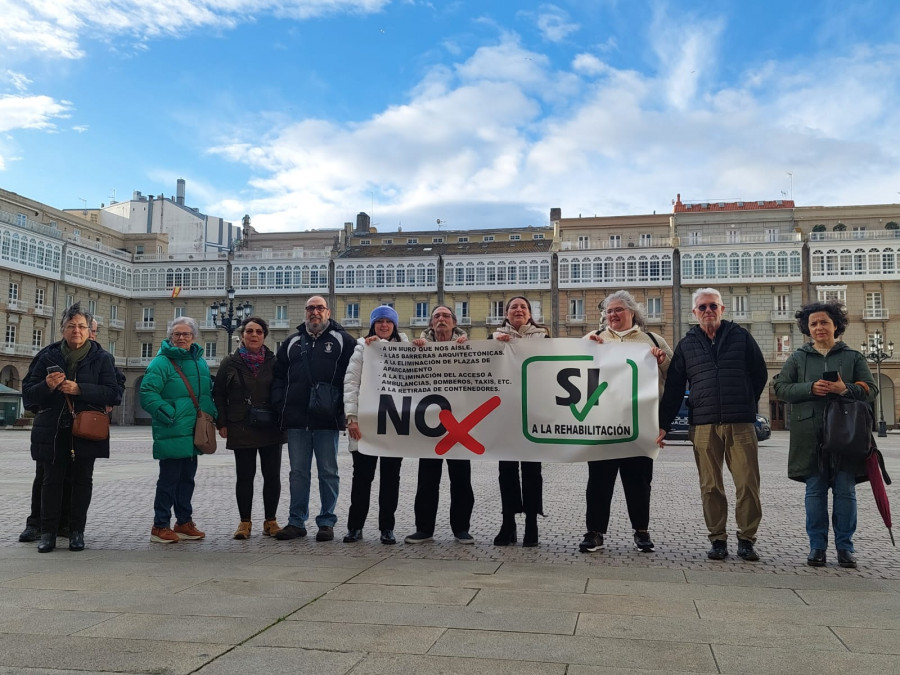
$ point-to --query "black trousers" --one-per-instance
(245, 467)
(82, 472)
(34, 518)
(637, 475)
(462, 498)
(527, 497)
(361, 490)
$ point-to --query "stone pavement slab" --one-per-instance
(283, 661)
(869, 640)
(422, 595)
(460, 664)
(349, 637)
(801, 661)
(582, 602)
(686, 591)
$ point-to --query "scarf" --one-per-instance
(252, 361)
(623, 333)
(73, 356)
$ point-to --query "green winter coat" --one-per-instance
(794, 385)
(165, 397)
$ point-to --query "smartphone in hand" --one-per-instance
(830, 375)
(54, 369)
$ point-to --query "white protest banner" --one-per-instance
(554, 400)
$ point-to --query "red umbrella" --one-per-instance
(877, 478)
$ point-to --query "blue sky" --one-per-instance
(486, 113)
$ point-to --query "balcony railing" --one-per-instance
(740, 316)
(654, 318)
(117, 324)
(145, 325)
(854, 235)
(43, 310)
(120, 360)
(138, 360)
(783, 315)
(465, 321)
(744, 238)
(16, 305)
(99, 319)
(574, 318)
(493, 320)
(873, 314)
(349, 322)
(18, 350)
(419, 320)
(281, 323)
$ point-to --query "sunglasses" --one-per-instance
(255, 331)
(712, 307)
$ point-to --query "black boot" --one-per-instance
(530, 537)
(47, 543)
(76, 541)
(507, 534)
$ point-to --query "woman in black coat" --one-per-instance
(243, 382)
(77, 368)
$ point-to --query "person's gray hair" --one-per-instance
(184, 321)
(72, 312)
(705, 291)
(630, 303)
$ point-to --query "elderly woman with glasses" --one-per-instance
(246, 419)
(623, 321)
(77, 369)
(173, 380)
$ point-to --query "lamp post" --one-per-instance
(874, 352)
(234, 316)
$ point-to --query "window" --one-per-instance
(209, 350)
(576, 309)
(387, 242)
(734, 236)
(514, 237)
(654, 308)
(422, 310)
(646, 240)
(782, 346)
(179, 312)
(92, 307)
(783, 304)
(462, 312)
(437, 240)
(739, 306)
(70, 300)
(536, 313)
(694, 238)
(39, 297)
(281, 313)
(37, 338)
(828, 293)
(537, 236)
(859, 231)
(615, 241)
(352, 311)
(76, 233)
(584, 242)
(113, 312)
(147, 314)
(10, 335)
(497, 307)
(771, 234)
(139, 249)
(21, 219)
(14, 292)
(412, 241)
(488, 237)
(147, 350)
(111, 348)
(463, 240)
(874, 306)
(365, 242)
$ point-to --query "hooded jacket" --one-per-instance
(96, 378)
(727, 376)
(526, 330)
(231, 397)
(794, 385)
(165, 396)
(296, 372)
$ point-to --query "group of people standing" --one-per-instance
(308, 392)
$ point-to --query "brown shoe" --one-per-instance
(270, 528)
(163, 535)
(188, 531)
(243, 530)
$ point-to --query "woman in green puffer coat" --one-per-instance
(165, 396)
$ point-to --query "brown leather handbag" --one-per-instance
(91, 425)
(205, 425)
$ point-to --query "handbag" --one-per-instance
(91, 425)
(847, 429)
(205, 424)
(325, 399)
(258, 416)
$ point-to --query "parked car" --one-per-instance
(679, 428)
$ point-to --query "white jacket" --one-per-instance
(352, 381)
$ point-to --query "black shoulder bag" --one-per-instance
(846, 430)
(259, 416)
(325, 398)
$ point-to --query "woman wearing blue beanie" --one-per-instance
(383, 324)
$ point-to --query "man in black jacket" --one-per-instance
(307, 393)
(726, 372)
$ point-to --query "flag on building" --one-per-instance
(175, 291)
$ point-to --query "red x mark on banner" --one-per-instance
(458, 432)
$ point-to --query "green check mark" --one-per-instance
(591, 402)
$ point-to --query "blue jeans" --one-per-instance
(302, 445)
(175, 487)
(843, 513)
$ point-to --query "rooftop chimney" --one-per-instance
(362, 222)
(179, 192)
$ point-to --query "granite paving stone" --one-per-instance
(869, 640)
(349, 637)
(685, 591)
(461, 664)
(735, 660)
(166, 628)
(282, 661)
(423, 595)
(582, 602)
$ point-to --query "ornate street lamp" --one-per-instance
(874, 352)
(234, 316)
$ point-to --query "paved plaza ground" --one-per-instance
(125, 605)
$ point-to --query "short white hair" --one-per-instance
(705, 291)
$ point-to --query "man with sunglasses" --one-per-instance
(307, 394)
(722, 365)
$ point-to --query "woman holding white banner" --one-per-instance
(383, 324)
(527, 496)
(623, 321)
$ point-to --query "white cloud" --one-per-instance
(554, 23)
(31, 112)
(55, 28)
(19, 81)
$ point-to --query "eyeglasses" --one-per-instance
(254, 331)
(442, 315)
(76, 326)
(712, 307)
(179, 336)
(616, 310)
(315, 308)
